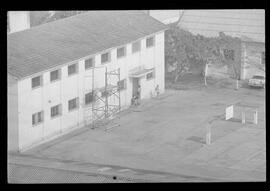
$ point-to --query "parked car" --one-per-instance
(257, 81)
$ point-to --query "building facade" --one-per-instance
(52, 101)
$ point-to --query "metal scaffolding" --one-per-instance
(103, 109)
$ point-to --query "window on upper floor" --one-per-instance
(136, 46)
(121, 52)
(56, 110)
(37, 118)
(228, 54)
(89, 98)
(72, 69)
(122, 84)
(105, 57)
(55, 75)
(89, 63)
(73, 104)
(150, 41)
(150, 76)
(36, 82)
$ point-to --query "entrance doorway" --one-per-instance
(135, 84)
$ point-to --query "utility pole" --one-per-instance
(106, 94)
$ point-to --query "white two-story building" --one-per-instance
(50, 70)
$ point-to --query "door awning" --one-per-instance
(140, 73)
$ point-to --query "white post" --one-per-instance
(237, 84)
(255, 117)
(205, 74)
(243, 117)
(208, 134)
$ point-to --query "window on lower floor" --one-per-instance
(56, 110)
(36, 81)
(73, 104)
(150, 76)
(121, 84)
(89, 98)
(37, 118)
(104, 93)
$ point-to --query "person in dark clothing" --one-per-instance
(157, 90)
(138, 97)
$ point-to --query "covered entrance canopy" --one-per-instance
(139, 72)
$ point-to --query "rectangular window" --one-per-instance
(228, 54)
(37, 118)
(136, 46)
(89, 63)
(263, 58)
(73, 104)
(89, 98)
(121, 84)
(72, 69)
(103, 93)
(121, 52)
(36, 81)
(55, 75)
(56, 110)
(150, 42)
(150, 76)
(106, 57)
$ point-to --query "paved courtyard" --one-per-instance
(167, 134)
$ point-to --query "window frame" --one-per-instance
(146, 41)
(109, 57)
(93, 63)
(59, 111)
(103, 93)
(77, 104)
(124, 87)
(59, 75)
(139, 47)
(124, 52)
(76, 69)
(40, 82)
(85, 98)
(153, 76)
(37, 114)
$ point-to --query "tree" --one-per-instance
(183, 49)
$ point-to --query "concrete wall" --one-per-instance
(69, 87)
(251, 59)
(12, 97)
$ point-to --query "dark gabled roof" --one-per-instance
(62, 41)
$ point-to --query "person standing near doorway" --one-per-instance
(138, 94)
(157, 90)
